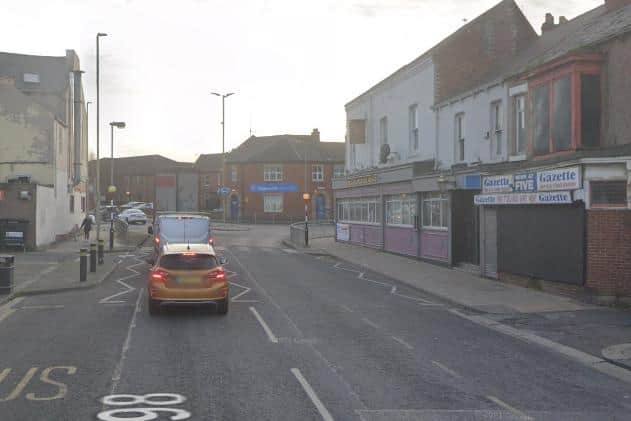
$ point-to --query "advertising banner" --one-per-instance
(526, 182)
(497, 184)
(551, 198)
(559, 179)
(343, 232)
(273, 188)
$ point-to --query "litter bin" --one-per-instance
(6, 274)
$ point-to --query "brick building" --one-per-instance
(268, 175)
(209, 170)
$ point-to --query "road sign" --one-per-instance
(223, 191)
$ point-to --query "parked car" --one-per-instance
(130, 205)
(133, 216)
(180, 229)
(109, 212)
(145, 207)
(188, 274)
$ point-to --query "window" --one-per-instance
(383, 131)
(609, 193)
(401, 210)
(590, 110)
(339, 171)
(360, 211)
(72, 203)
(31, 77)
(459, 130)
(496, 128)
(519, 104)
(317, 173)
(273, 173)
(561, 118)
(234, 174)
(542, 120)
(435, 211)
(414, 131)
(273, 203)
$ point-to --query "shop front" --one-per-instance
(532, 224)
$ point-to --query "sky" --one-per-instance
(292, 64)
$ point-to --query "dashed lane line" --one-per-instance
(324, 413)
(272, 338)
(370, 323)
(508, 407)
(446, 369)
(9, 308)
(402, 342)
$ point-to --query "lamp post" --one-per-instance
(87, 156)
(306, 196)
(223, 140)
(112, 188)
(98, 162)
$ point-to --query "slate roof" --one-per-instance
(209, 162)
(577, 35)
(286, 148)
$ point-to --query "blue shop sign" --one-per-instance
(525, 182)
(469, 182)
(273, 188)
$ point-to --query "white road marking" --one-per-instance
(347, 308)
(48, 270)
(361, 275)
(118, 371)
(266, 328)
(121, 281)
(290, 251)
(402, 342)
(42, 307)
(507, 406)
(324, 413)
(7, 309)
(393, 290)
(447, 369)
(370, 323)
(245, 291)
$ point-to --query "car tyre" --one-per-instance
(222, 306)
(154, 307)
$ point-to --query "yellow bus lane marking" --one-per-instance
(45, 378)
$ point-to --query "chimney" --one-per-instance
(562, 20)
(315, 134)
(616, 4)
(548, 24)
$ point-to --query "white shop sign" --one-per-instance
(343, 232)
(559, 179)
(497, 184)
(552, 198)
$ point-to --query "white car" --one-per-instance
(133, 216)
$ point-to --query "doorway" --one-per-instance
(466, 239)
(320, 204)
(234, 207)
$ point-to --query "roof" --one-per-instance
(286, 148)
(140, 165)
(489, 16)
(188, 248)
(579, 34)
(209, 162)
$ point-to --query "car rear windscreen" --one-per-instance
(188, 262)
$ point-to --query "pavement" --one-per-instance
(596, 330)
(306, 338)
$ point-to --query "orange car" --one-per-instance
(188, 274)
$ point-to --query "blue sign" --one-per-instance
(223, 191)
(273, 188)
(473, 182)
(526, 182)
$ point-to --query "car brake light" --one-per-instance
(211, 241)
(217, 274)
(157, 240)
(189, 254)
(159, 276)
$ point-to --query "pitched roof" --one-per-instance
(209, 162)
(140, 165)
(286, 148)
(581, 33)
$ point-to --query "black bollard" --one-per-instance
(92, 257)
(101, 251)
(111, 236)
(83, 265)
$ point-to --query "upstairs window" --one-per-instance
(519, 108)
(273, 173)
(317, 173)
(496, 128)
(590, 110)
(339, 171)
(414, 129)
(459, 132)
(234, 175)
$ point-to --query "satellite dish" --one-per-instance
(384, 153)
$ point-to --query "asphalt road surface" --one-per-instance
(306, 338)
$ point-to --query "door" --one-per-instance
(465, 228)
(234, 207)
(489, 242)
(320, 207)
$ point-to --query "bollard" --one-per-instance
(112, 235)
(101, 251)
(83, 265)
(92, 257)
(7, 268)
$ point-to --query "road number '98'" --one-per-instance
(157, 400)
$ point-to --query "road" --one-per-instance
(306, 338)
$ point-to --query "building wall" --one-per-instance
(476, 107)
(45, 219)
(617, 92)
(608, 251)
(392, 99)
(209, 182)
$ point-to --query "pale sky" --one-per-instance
(292, 63)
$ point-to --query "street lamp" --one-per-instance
(87, 156)
(112, 187)
(223, 139)
(98, 162)
(306, 196)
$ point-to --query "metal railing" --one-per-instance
(316, 230)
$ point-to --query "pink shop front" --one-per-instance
(395, 218)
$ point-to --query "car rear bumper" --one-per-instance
(160, 292)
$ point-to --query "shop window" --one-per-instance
(435, 211)
(519, 110)
(401, 210)
(272, 173)
(590, 110)
(273, 203)
(459, 131)
(608, 194)
(359, 211)
(317, 173)
(339, 171)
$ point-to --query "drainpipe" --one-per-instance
(77, 126)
